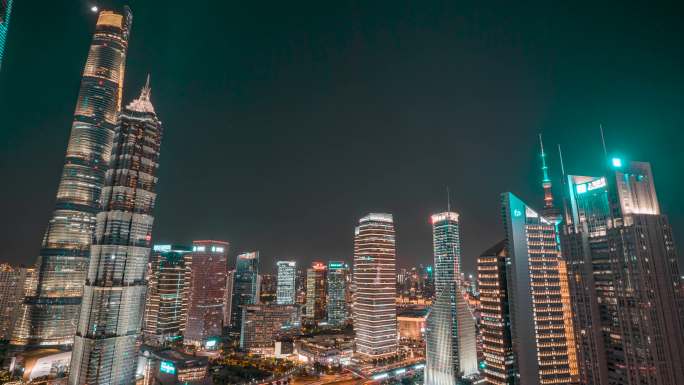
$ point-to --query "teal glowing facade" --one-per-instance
(5, 12)
(105, 349)
(49, 318)
(450, 328)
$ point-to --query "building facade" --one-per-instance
(245, 288)
(114, 295)
(13, 281)
(316, 275)
(451, 350)
(5, 12)
(375, 313)
(337, 293)
(495, 318)
(207, 293)
(49, 318)
(262, 323)
(539, 299)
(168, 289)
(286, 291)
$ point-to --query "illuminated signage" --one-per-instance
(517, 213)
(593, 185)
(167, 367)
(199, 248)
(162, 248)
(217, 249)
(441, 217)
(210, 343)
(380, 376)
(336, 265)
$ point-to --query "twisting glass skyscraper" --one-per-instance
(375, 313)
(5, 11)
(49, 318)
(450, 332)
(113, 298)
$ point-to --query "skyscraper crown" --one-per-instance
(143, 102)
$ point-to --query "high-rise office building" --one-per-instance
(207, 293)
(5, 12)
(12, 286)
(286, 289)
(49, 317)
(337, 293)
(450, 327)
(245, 288)
(495, 318)
(315, 310)
(375, 313)
(168, 284)
(261, 324)
(114, 295)
(228, 301)
(539, 299)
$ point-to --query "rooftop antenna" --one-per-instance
(560, 155)
(448, 200)
(603, 141)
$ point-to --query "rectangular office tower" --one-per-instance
(495, 317)
(207, 293)
(539, 300)
(245, 288)
(168, 288)
(105, 350)
(450, 327)
(375, 313)
(315, 307)
(286, 290)
(337, 293)
(49, 317)
(5, 12)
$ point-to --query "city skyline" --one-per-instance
(242, 207)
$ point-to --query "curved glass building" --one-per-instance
(5, 11)
(49, 317)
(105, 350)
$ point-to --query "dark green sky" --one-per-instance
(287, 121)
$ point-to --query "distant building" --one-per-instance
(495, 318)
(337, 293)
(262, 323)
(411, 323)
(171, 367)
(207, 293)
(228, 301)
(286, 291)
(13, 281)
(539, 299)
(49, 318)
(327, 350)
(5, 12)
(316, 277)
(267, 288)
(375, 314)
(166, 306)
(451, 350)
(245, 288)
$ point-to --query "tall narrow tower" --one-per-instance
(286, 288)
(550, 211)
(113, 299)
(5, 11)
(49, 317)
(450, 334)
(375, 313)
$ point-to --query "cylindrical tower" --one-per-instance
(49, 317)
(105, 349)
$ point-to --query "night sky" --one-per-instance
(287, 121)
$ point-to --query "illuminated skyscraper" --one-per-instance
(166, 305)
(375, 313)
(207, 293)
(12, 286)
(315, 292)
(245, 287)
(450, 328)
(105, 350)
(49, 318)
(539, 300)
(495, 318)
(5, 12)
(337, 292)
(286, 291)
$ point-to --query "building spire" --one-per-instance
(549, 209)
(143, 102)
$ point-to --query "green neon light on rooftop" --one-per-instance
(617, 162)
